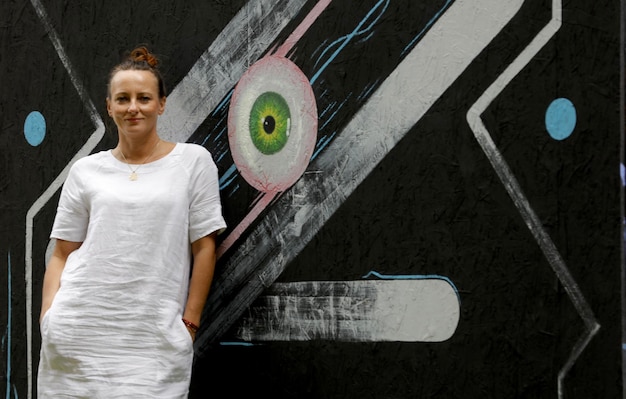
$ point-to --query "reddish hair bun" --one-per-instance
(142, 54)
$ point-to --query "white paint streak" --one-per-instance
(399, 103)
(219, 68)
(91, 143)
(420, 310)
(515, 192)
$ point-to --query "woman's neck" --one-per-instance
(137, 151)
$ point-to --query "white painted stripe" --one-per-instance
(404, 97)
(85, 150)
(218, 69)
(417, 310)
(509, 181)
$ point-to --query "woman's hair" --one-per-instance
(140, 59)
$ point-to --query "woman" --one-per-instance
(120, 302)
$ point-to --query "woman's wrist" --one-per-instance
(193, 327)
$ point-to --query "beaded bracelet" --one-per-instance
(191, 326)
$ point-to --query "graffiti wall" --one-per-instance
(422, 198)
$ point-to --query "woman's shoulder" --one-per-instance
(87, 166)
(194, 158)
(92, 160)
(192, 148)
(192, 152)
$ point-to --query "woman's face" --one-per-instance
(134, 102)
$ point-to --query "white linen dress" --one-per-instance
(114, 328)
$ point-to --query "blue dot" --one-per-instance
(561, 118)
(35, 128)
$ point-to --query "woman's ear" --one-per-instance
(162, 102)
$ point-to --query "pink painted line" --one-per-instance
(302, 28)
(267, 197)
(261, 204)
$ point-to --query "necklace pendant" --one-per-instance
(133, 176)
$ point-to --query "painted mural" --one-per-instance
(423, 198)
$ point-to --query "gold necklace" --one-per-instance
(133, 172)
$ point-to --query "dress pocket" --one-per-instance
(189, 339)
(178, 338)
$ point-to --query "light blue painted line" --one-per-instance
(229, 182)
(328, 108)
(320, 145)
(332, 44)
(427, 27)
(234, 190)
(217, 136)
(221, 133)
(9, 323)
(322, 141)
(356, 32)
(368, 89)
(223, 104)
(227, 177)
(235, 343)
(366, 38)
(220, 156)
(331, 117)
(323, 145)
(219, 151)
(318, 49)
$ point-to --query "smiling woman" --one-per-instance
(136, 98)
(120, 305)
(135, 105)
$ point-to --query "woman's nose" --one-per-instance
(132, 106)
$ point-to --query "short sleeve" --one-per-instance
(72, 217)
(205, 212)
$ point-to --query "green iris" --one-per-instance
(269, 123)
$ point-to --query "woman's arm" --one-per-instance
(52, 277)
(201, 277)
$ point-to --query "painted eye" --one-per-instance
(270, 121)
(272, 124)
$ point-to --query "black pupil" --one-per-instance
(269, 124)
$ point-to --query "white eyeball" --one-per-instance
(272, 124)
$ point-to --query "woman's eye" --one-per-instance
(122, 99)
(270, 121)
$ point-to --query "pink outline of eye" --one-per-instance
(276, 172)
